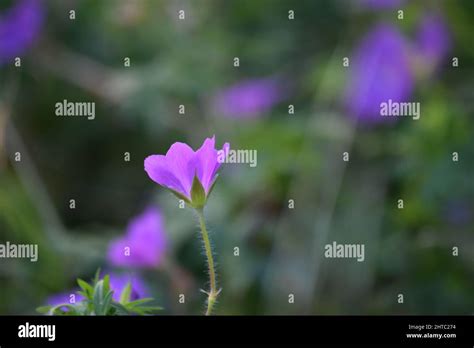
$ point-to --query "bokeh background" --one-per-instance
(283, 62)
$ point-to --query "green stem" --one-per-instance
(212, 294)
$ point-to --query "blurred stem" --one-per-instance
(212, 294)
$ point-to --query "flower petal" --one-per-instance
(157, 169)
(180, 159)
(433, 38)
(380, 71)
(20, 27)
(147, 237)
(116, 255)
(119, 281)
(206, 162)
(249, 98)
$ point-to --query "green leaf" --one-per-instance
(88, 289)
(83, 293)
(84, 307)
(126, 292)
(102, 298)
(143, 310)
(139, 302)
(43, 309)
(108, 302)
(106, 283)
(119, 309)
(198, 195)
(98, 299)
(97, 276)
(147, 309)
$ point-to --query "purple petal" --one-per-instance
(145, 239)
(116, 253)
(180, 159)
(19, 28)
(433, 38)
(157, 169)
(64, 297)
(380, 71)
(206, 162)
(118, 282)
(249, 98)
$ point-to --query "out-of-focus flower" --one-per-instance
(380, 70)
(178, 169)
(433, 39)
(458, 213)
(19, 27)
(250, 98)
(381, 4)
(143, 245)
(118, 282)
(71, 297)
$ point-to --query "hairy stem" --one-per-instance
(212, 294)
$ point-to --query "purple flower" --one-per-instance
(380, 71)
(118, 282)
(71, 297)
(381, 4)
(178, 169)
(19, 28)
(433, 39)
(249, 98)
(143, 245)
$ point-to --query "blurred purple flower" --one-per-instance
(64, 297)
(248, 98)
(118, 282)
(380, 70)
(381, 4)
(177, 169)
(458, 213)
(19, 28)
(143, 245)
(433, 39)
